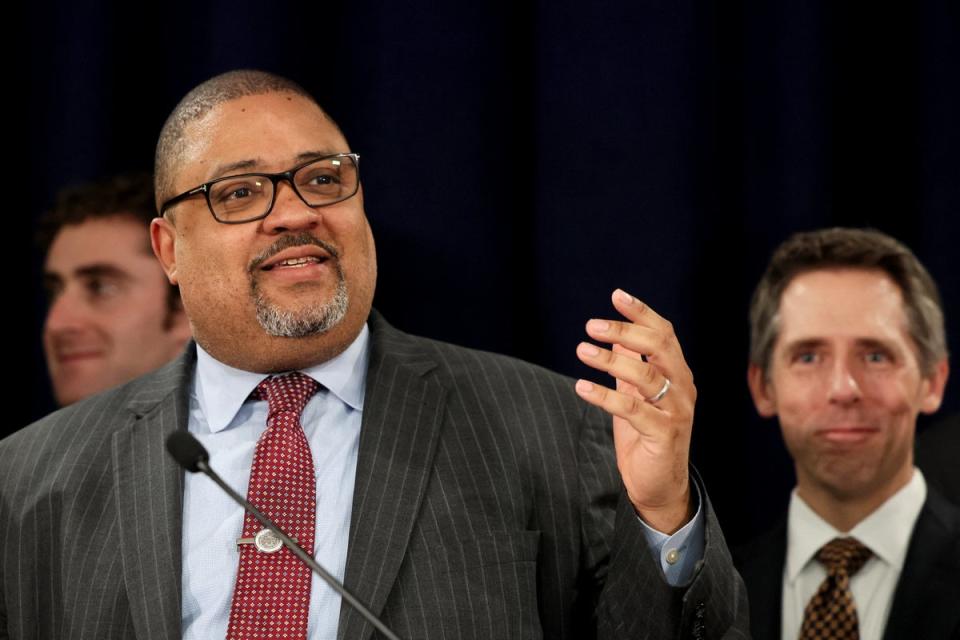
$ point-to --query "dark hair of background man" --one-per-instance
(128, 195)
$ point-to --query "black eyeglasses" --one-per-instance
(251, 196)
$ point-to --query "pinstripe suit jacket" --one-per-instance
(487, 505)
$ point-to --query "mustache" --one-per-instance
(292, 240)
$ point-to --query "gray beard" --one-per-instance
(311, 321)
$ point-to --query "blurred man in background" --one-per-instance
(112, 314)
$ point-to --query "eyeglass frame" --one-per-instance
(275, 178)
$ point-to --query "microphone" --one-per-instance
(192, 456)
(187, 451)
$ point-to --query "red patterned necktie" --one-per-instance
(272, 596)
(831, 613)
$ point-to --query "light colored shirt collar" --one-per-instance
(886, 531)
(222, 390)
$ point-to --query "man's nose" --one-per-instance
(290, 212)
(844, 385)
(66, 312)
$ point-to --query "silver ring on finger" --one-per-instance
(663, 391)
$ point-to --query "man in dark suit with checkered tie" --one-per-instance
(847, 348)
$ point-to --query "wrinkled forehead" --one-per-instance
(267, 132)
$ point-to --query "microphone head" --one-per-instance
(187, 450)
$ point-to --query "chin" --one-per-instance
(307, 319)
(851, 482)
(71, 396)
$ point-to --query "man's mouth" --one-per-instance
(294, 252)
(847, 435)
(294, 262)
(76, 354)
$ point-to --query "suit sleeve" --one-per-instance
(4, 465)
(4, 634)
(633, 599)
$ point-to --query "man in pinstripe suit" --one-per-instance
(483, 497)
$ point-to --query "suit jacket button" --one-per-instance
(698, 627)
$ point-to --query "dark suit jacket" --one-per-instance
(926, 601)
(487, 505)
(938, 449)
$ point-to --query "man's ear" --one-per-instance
(764, 396)
(934, 385)
(163, 239)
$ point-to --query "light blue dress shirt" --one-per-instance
(679, 554)
(229, 424)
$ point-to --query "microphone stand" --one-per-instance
(193, 457)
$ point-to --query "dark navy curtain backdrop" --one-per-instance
(522, 160)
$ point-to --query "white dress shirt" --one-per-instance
(886, 532)
(229, 424)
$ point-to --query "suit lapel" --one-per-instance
(148, 487)
(761, 566)
(925, 600)
(402, 415)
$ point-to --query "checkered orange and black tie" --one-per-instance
(831, 613)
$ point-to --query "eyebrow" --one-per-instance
(88, 271)
(813, 343)
(806, 343)
(251, 164)
(873, 343)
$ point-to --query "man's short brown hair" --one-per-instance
(127, 195)
(840, 248)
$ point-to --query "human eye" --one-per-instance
(324, 178)
(101, 288)
(805, 357)
(878, 357)
(238, 192)
(319, 178)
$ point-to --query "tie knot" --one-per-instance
(289, 392)
(845, 555)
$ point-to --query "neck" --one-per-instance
(844, 511)
(261, 353)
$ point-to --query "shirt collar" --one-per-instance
(886, 531)
(221, 390)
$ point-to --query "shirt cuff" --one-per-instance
(679, 553)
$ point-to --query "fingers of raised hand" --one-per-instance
(626, 368)
(628, 406)
(639, 313)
